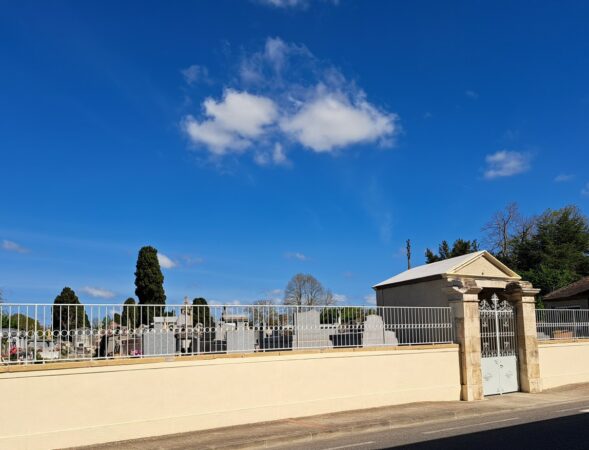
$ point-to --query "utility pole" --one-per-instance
(408, 254)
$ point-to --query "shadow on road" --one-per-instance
(569, 433)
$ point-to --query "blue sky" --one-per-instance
(251, 140)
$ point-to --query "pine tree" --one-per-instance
(130, 314)
(201, 313)
(67, 316)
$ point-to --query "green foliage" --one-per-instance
(130, 314)
(459, 248)
(201, 313)
(68, 317)
(346, 315)
(149, 283)
(555, 251)
(20, 322)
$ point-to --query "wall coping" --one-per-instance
(563, 342)
(122, 362)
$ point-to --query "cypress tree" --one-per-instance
(149, 282)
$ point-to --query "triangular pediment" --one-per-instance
(485, 265)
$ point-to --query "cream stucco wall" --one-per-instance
(564, 363)
(68, 407)
(423, 293)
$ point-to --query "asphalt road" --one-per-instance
(553, 427)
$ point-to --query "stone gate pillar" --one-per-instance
(464, 300)
(523, 296)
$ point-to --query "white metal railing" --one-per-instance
(40, 333)
(562, 324)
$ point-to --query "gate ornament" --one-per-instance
(503, 305)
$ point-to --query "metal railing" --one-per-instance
(40, 333)
(562, 324)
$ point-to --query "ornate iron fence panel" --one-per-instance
(42, 333)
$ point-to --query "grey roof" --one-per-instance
(576, 288)
(446, 266)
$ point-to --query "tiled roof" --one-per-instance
(578, 287)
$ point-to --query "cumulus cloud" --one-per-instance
(282, 95)
(11, 246)
(563, 177)
(165, 262)
(340, 298)
(232, 122)
(296, 255)
(97, 292)
(332, 121)
(506, 164)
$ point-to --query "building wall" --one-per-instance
(71, 407)
(423, 293)
(577, 302)
(563, 363)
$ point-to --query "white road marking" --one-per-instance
(573, 409)
(470, 426)
(350, 445)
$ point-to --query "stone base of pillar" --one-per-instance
(472, 392)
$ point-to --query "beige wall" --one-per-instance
(424, 293)
(67, 407)
(564, 363)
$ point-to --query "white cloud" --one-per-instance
(296, 255)
(472, 94)
(97, 292)
(332, 121)
(505, 164)
(284, 3)
(277, 157)
(274, 295)
(370, 299)
(585, 190)
(11, 246)
(298, 100)
(196, 74)
(232, 122)
(340, 298)
(563, 177)
(292, 3)
(165, 262)
(192, 260)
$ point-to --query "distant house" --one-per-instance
(573, 296)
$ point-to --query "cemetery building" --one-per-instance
(427, 285)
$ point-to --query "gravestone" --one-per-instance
(375, 333)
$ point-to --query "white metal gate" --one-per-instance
(498, 346)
